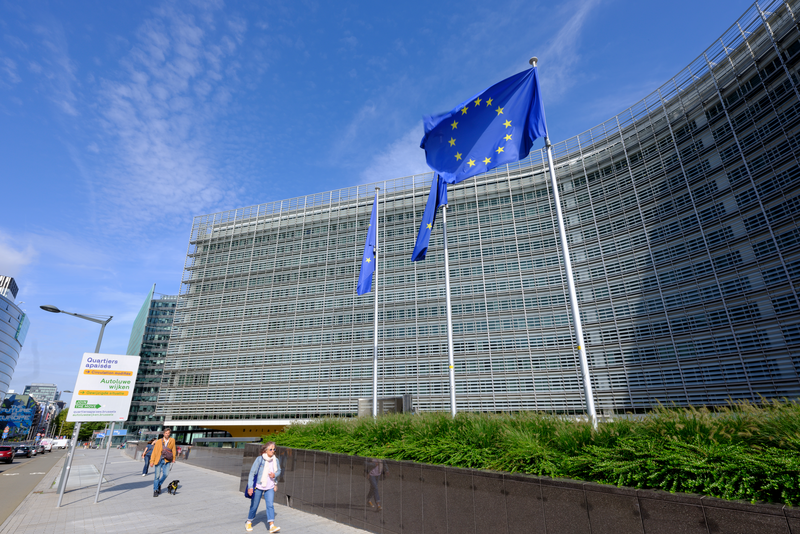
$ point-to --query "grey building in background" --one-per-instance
(43, 392)
(149, 339)
(682, 213)
(14, 324)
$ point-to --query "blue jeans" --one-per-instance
(146, 468)
(269, 496)
(162, 472)
(373, 489)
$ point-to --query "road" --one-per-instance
(19, 478)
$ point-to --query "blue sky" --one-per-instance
(120, 121)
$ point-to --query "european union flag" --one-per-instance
(495, 127)
(437, 197)
(368, 260)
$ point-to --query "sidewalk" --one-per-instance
(207, 501)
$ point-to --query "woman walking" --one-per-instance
(147, 452)
(263, 481)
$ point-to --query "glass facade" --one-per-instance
(13, 328)
(150, 337)
(43, 392)
(682, 216)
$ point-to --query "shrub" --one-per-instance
(742, 451)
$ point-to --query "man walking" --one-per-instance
(163, 455)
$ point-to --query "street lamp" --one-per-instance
(94, 319)
(101, 320)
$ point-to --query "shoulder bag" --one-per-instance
(255, 478)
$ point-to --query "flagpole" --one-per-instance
(449, 314)
(375, 316)
(573, 296)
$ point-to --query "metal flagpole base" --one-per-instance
(450, 357)
(573, 296)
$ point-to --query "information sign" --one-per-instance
(104, 388)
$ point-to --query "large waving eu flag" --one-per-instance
(368, 259)
(495, 127)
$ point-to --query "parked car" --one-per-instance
(6, 454)
(23, 450)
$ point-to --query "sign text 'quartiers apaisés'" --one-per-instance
(104, 388)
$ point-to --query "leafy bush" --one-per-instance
(743, 451)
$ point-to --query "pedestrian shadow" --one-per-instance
(112, 491)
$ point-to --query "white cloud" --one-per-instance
(562, 54)
(157, 115)
(8, 72)
(402, 157)
(128, 304)
(14, 256)
(58, 70)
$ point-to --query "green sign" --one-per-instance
(84, 404)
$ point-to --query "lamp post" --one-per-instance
(62, 482)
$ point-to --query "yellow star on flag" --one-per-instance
(499, 149)
(507, 124)
(454, 125)
(458, 156)
(488, 160)
(499, 110)
(507, 137)
(471, 163)
(489, 102)
(430, 225)
(452, 142)
(368, 260)
(464, 110)
(477, 102)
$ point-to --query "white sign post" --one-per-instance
(102, 393)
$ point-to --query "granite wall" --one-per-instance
(418, 498)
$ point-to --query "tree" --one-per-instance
(60, 425)
(68, 428)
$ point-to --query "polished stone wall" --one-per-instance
(419, 498)
(228, 461)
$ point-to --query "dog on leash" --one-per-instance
(173, 487)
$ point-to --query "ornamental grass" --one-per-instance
(741, 451)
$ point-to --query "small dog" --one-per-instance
(173, 487)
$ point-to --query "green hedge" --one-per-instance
(743, 451)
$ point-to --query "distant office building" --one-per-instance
(8, 287)
(42, 392)
(149, 340)
(12, 333)
(682, 213)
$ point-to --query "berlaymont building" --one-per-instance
(682, 217)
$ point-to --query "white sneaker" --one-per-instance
(144, 475)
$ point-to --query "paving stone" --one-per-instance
(207, 501)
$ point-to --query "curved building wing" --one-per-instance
(13, 329)
(682, 215)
